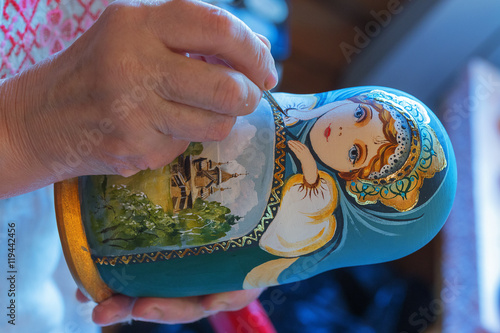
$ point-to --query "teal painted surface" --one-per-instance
(364, 234)
(189, 276)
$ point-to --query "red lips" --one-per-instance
(328, 131)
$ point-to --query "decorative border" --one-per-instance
(269, 214)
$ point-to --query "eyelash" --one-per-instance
(361, 117)
(357, 149)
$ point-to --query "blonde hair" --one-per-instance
(385, 150)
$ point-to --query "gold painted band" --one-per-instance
(74, 241)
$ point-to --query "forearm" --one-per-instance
(25, 137)
(311, 176)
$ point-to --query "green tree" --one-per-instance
(205, 222)
(127, 220)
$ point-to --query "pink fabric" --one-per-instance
(31, 30)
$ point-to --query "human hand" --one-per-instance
(125, 97)
(121, 308)
(307, 161)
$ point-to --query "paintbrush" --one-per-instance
(273, 102)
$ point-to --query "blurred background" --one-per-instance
(444, 52)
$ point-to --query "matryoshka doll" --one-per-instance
(348, 177)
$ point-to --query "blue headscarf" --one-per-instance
(374, 232)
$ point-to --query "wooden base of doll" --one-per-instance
(74, 242)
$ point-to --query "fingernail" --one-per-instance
(210, 313)
(152, 314)
(217, 307)
(126, 172)
(272, 79)
(114, 320)
(264, 40)
(101, 320)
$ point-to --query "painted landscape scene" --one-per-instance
(167, 207)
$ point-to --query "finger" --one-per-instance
(231, 300)
(167, 151)
(206, 29)
(184, 122)
(300, 145)
(80, 297)
(264, 40)
(114, 310)
(212, 87)
(154, 154)
(168, 310)
(293, 145)
(208, 59)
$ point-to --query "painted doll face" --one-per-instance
(348, 136)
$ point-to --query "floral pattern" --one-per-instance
(31, 30)
(56, 32)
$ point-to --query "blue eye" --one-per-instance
(354, 154)
(360, 113)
